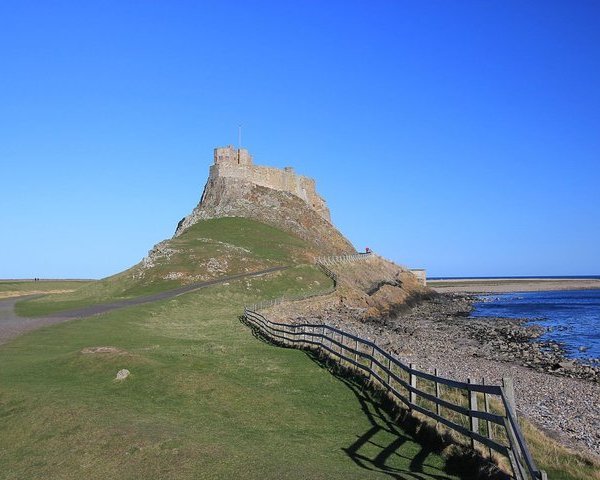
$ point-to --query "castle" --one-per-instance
(274, 196)
(230, 162)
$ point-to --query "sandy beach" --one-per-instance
(507, 285)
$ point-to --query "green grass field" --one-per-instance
(205, 399)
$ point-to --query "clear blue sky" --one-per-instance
(462, 137)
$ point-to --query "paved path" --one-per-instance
(12, 325)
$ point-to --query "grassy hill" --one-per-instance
(207, 250)
(205, 399)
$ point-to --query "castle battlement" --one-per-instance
(237, 163)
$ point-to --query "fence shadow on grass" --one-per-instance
(380, 419)
(380, 455)
(387, 419)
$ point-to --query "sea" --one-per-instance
(572, 317)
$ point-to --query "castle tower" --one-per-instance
(231, 156)
(244, 157)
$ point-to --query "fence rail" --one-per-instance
(457, 405)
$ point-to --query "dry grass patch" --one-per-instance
(559, 462)
(104, 350)
(21, 293)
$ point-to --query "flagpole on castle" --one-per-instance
(239, 136)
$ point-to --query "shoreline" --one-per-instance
(557, 394)
(512, 285)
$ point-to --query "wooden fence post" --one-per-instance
(319, 341)
(509, 389)
(413, 383)
(437, 393)
(473, 421)
(389, 367)
(486, 405)
(371, 363)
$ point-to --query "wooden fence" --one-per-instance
(291, 298)
(483, 414)
(330, 273)
(351, 257)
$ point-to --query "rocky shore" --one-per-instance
(561, 396)
(502, 339)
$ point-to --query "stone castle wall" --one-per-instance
(237, 163)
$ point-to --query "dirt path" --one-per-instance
(12, 325)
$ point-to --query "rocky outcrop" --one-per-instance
(367, 290)
(229, 196)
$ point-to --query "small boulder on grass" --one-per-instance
(122, 374)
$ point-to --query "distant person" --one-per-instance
(367, 250)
